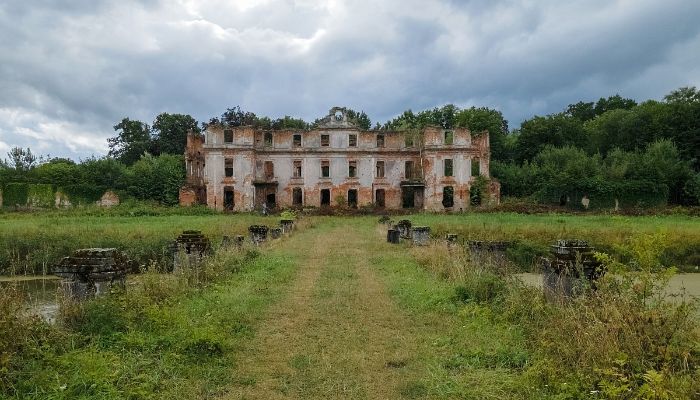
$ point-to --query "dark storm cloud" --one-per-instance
(70, 70)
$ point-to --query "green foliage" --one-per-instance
(104, 172)
(171, 132)
(59, 172)
(627, 340)
(156, 178)
(359, 118)
(555, 130)
(40, 195)
(288, 214)
(15, 194)
(83, 193)
(482, 119)
(132, 141)
(444, 117)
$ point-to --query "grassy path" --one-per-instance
(336, 334)
(362, 321)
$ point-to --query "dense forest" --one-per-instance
(613, 151)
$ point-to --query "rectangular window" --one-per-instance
(380, 140)
(297, 140)
(408, 139)
(269, 170)
(475, 167)
(380, 169)
(448, 167)
(352, 169)
(268, 139)
(449, 137)
(352, 140)
(228, 135)
(325, 169)
(325, 140)
(228, 167)
(408, 170)
(297, 168)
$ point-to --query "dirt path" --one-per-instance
(335, 335)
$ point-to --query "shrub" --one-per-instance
(625, 340)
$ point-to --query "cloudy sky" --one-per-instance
(70, 70)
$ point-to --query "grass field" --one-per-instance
(30, 243)
(333, 311)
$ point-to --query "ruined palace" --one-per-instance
(337, 164)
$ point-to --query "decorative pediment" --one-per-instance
(337, 118)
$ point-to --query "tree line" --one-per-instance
(612, 151)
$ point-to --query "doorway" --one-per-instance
(352, 198)
(270, 200)
(379, 196)
(229, 201)
(325, 197)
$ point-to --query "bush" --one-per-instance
(626, 340)
(15, 194)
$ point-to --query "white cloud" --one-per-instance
(71, 71)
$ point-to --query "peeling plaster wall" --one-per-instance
(249, 152)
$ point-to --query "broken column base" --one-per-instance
(258, 233)
(287, 225)
(393, 236)
(420, 235)
(276, 233)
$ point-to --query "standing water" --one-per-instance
(40, 294)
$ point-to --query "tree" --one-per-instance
(58, 171)
(105, 172)
(22, 159)
(615, 102)
(581, 111)
(156, 178)
(683, 95)
(171, 132)
(132, 141)
(485, 119)
(556, 130)
(359, 118)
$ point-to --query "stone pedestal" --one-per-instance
(420, 235)
(190, 247)
(571, 269)
(287, 225)
(275, 233)
(258, 233)
(93, 272)
(392, 236)
(451, 239)
(240, 239)
(404, 227)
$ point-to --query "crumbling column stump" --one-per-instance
(404, 227)
(93, 272)
(275, 233)
(190, 247)
(258, 233)
(451, 239)
(287, 225)
(571, 268)
(240, 239)
(420, 235)
(393, 236)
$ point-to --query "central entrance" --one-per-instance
(265, 193)
(412, 195)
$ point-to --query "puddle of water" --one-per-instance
(40, 292)
(679, 282)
